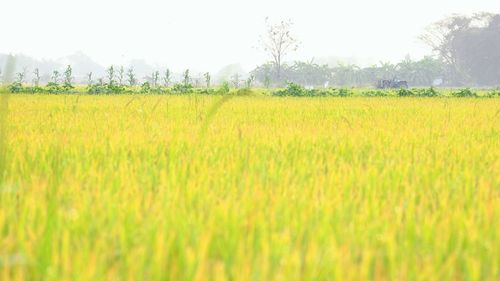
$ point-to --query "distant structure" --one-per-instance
(392, 84)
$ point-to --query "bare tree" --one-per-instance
(278, 42)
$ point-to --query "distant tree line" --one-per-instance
(466, 52)
(425, 72)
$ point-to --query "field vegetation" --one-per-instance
(114, 85)
(249, 186)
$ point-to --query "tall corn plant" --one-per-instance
(186, 78)
(155, 76)
(131, 79)
(167, 78)
(110, 73)
(36, 78)
(121, 75)
(68, 78)
(207, 79)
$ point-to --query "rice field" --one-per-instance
(155, 187)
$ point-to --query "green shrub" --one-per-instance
(116, 88)
(223, 89)
(206, 91)
(374, 93)
(296, 90)
(464, 93)
(145, 88)
(292, 89)
(53, 88)
(494, 93)
(405, 92)
(97, 89)
(319, 92)
(244, 92)
(344, 93)
(184, 88)
(429, 92)
(36, 89)
(16, 87)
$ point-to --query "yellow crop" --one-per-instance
(255, 188)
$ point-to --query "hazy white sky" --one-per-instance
(206, 35)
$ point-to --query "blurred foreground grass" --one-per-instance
(129, 188)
